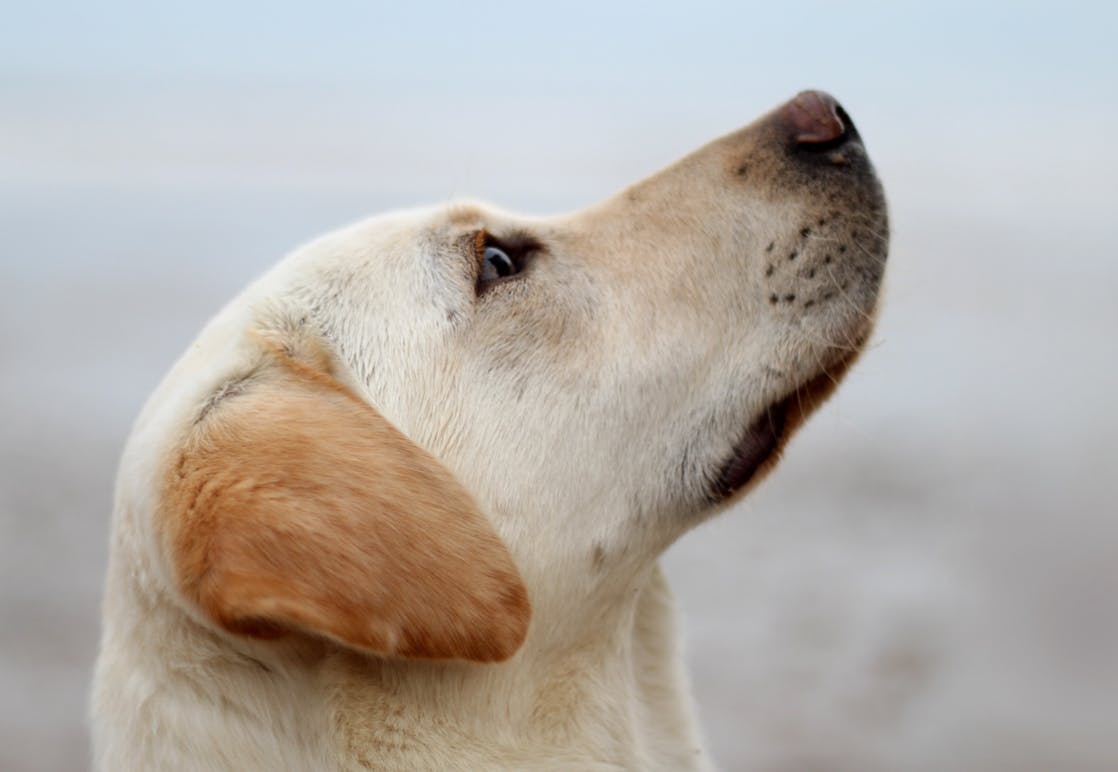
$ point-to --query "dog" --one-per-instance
(400, 505)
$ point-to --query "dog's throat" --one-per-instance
(754, 448)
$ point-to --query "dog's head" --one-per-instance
(415, 424)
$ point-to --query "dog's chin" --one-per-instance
(760, 447)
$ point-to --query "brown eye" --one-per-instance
(503, 258)
(496, 264)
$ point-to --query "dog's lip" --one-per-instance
(755, 447)
(759, 448)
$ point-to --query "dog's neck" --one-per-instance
(617, 699)
(616, 695)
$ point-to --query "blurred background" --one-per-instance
(928, 581)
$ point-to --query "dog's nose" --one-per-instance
(814, 119)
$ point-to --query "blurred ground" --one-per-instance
(927, 582)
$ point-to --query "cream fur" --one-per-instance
(586, 405)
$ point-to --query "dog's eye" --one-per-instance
(503, 259)
(496, 264)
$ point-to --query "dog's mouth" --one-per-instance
(757, 445)
(759, 448)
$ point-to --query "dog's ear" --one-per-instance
(294, 505)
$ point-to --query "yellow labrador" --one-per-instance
(401, 503)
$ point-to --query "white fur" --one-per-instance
(586, 405)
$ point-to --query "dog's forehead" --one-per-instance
(376, 263)
(403, 241)
(413, 271)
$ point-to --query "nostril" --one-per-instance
(814, 120)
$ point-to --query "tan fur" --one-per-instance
(295, 505)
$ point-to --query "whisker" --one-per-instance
(877, 256)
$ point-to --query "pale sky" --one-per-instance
(1003, 51)
(541, 106)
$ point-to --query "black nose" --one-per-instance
(814, 120)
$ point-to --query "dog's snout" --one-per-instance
(814, 120)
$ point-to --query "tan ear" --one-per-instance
(295, 505)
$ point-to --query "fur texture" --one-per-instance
(390, 512)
